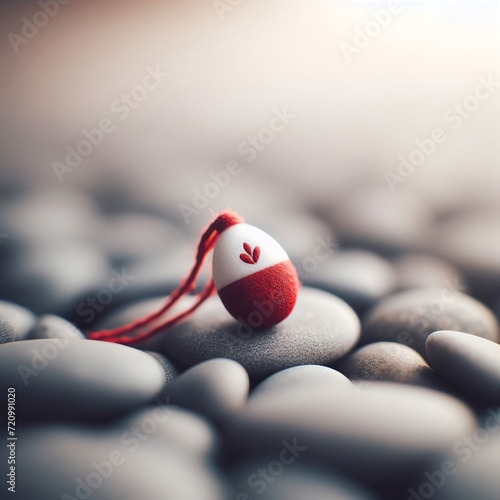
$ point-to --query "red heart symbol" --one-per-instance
(251, 256)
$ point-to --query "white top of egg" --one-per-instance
(228, 265)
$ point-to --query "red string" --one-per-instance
(207, 242)
(209, 289)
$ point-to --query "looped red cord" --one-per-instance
(125, 334)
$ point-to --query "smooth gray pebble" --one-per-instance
(216, 388)
(321, 329)
(410, 317)
(15, 322)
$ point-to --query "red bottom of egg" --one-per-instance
(265, 298)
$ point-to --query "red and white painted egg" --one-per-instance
(254, 276)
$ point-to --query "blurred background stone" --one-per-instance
(50, 326)
(15, 322)
(390, 362)
(359, 277)
(426, 271)
(109, 466)
(410, 317)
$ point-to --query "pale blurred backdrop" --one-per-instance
(352, 119)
